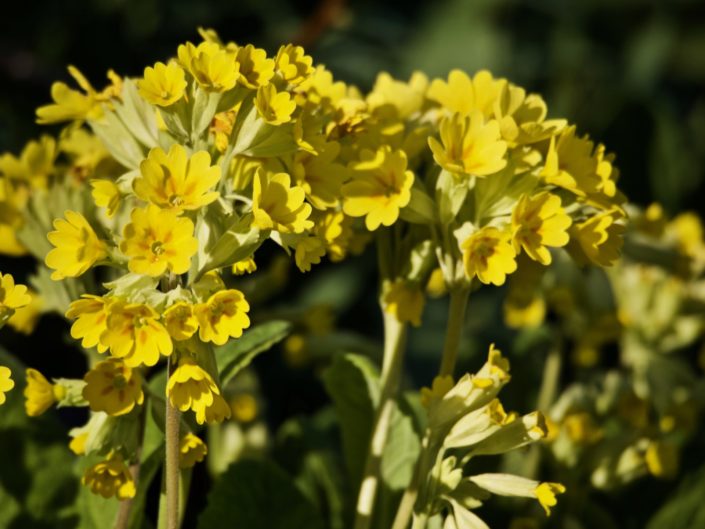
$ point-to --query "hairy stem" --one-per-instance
(172, 470)
(394, 341)
(454, 329)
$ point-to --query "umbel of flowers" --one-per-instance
(170, 183)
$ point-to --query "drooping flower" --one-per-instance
(489, 255)
(405, 301)
(158, 240)
(40, 394)
(6, 383)
(106, 195)
(469, 145)
(598, 239)
(510, 485)
(293, 64)
(113, 387)
(190, 386)
(174, 181)
(255, 68)
(274, 107)
(277, 205)
(12, 297)
(537, 222)
(309, 251)
(214, 67)
(133, 332)
(319, 175)
(546, 494)
(464, 95)
(77, 247)
(91, 314)
(180, 321)
(380, 187)
(245, 266)
(191, 450)
(163, 85)
(110, 478)
(224, 315)
(216, 412)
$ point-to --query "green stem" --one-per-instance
(408, 500)
(172, 470)
(420, 521)
(454, 329)
(394, 341)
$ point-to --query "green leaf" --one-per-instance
(420, 209)
(236, 355)
(450, 196)
(352, 382)
(685, 508)
(256, 494)
(118, 139)
(400, 452)
(204, 107)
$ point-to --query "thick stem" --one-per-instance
(454, 330)
(394, 341)
(123, 515)
(420, 521)
(171, 431)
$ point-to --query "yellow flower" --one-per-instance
(113, 387)
(274, 107)
(570, 164)
(24, 320)
(537, 222)
(6, 383)
(224, 315)
(255, 68)
(277, 205)
(380, 187)
(34, 165)
(12, 297)
(469, 145)
(213, 413)
(309, 251)
(192, 450)
(404, 98)
(319, 176)
(110, 478)
(246, 266)
(244, 407)
(91, 315)
(441, 385)
(180, 321)
(489, 255)
(190, 387)
(69, 104)
(436, 286)
(158, 240)
(77, 247)
(293, 64)
(546, 494)
(40, 394)
(335, 228)
(597, 240)
(77, 444)
(162, 85)
(106, 195)
(175, 181)
(134, 334)
(214, 68)
(405, 301)
(662, 459)
(464, 95)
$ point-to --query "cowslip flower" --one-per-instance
(163, 85)
(70, 104)
(158, 240)
(404, 301)
(274, 107)
(319, 175)
(12, 297)
(106, 195)
(174, 181)
(598, 240)
(113, 387)
(245, 266)
(191, 450)
(25, 318)
(509, 485)
(133, 332)
(255, 68)
(214, 68)
(463, 95)
(190, 387)
(40, 394)
(180, 321)
(380, 187)
(292, 64)
(309, 251)
(277, 205)
(570, 164)
(469, 145)
(224, 315)
(537, 222)
(77, 247)
(489, 255)
(216, 412)
(6, 383)
(91, 314)
(110, 478)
